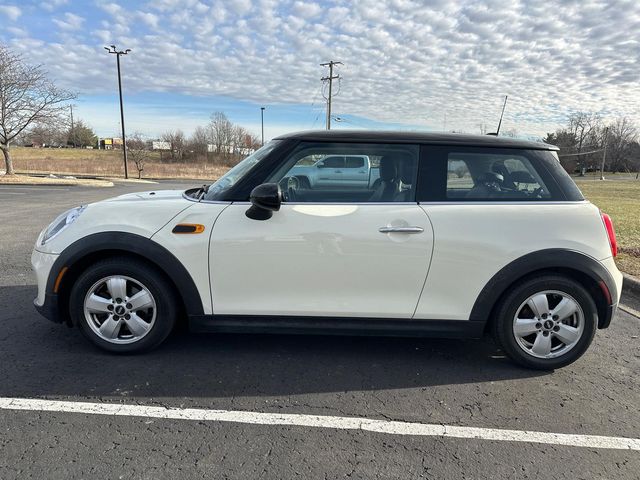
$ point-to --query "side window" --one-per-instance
(488, 176)
(459, 180)
(354, 162)
(332, 162)
(348, 173)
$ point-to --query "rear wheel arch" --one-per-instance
(87, 251)
(585, 270)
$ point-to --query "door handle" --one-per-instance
(401, 229)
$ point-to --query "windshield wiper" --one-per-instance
(200, 192)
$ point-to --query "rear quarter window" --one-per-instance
(492, 174)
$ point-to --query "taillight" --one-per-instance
(611, 233)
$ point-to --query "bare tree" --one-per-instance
(44, 135)
(221, 130)
(138, 151)
(244, 142)
(176, 140)
(27, 97)
(620, 139)
(586, 128)
(199, 141)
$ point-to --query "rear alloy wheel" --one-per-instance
(546, 322)
(123, 305)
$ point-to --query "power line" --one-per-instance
(579, 153)
(330, 80)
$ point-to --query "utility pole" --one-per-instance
(604, 152)
(330, 79)
(501, 115)
(118, 53)
(262, 122)
(73, 132)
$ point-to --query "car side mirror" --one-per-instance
(320, 165)
(265, 199)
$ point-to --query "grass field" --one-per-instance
(618, 196)
(107, 163)
(621, 200)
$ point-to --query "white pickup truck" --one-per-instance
(337, 171)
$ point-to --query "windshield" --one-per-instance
(221, 186)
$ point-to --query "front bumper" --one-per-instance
(49, 308)
(46, 303)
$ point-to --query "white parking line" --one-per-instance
(318, 421)
(41, 189)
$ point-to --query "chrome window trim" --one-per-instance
(337, 203)
(507, 202)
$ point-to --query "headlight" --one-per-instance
(62, 222)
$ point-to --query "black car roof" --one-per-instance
(457, 139)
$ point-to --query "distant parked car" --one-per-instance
(460, 236)
(353, 171)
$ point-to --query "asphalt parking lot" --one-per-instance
(441, 382)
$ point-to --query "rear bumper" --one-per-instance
(614, 285)
(616, 276)
(611, 312)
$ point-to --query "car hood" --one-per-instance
(142, 213)
(155, 195)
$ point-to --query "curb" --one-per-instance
(631, 285)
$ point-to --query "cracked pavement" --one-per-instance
(451, 382)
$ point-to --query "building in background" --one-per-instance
(113, 143)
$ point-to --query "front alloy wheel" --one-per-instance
(123, 305)
(120, 309)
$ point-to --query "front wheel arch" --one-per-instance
(157, 313)
(88, 250)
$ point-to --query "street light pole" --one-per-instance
(262, 122)
(501, 115)
(118, 53)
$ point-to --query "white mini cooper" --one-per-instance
(455, 236)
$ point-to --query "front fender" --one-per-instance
(76, 256)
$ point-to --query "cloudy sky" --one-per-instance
(408, 64)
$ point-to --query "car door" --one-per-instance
(356, 171)
(330, 171)
(323, 254)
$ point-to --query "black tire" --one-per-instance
(155, 282)
(303, 182)
(503, 330)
